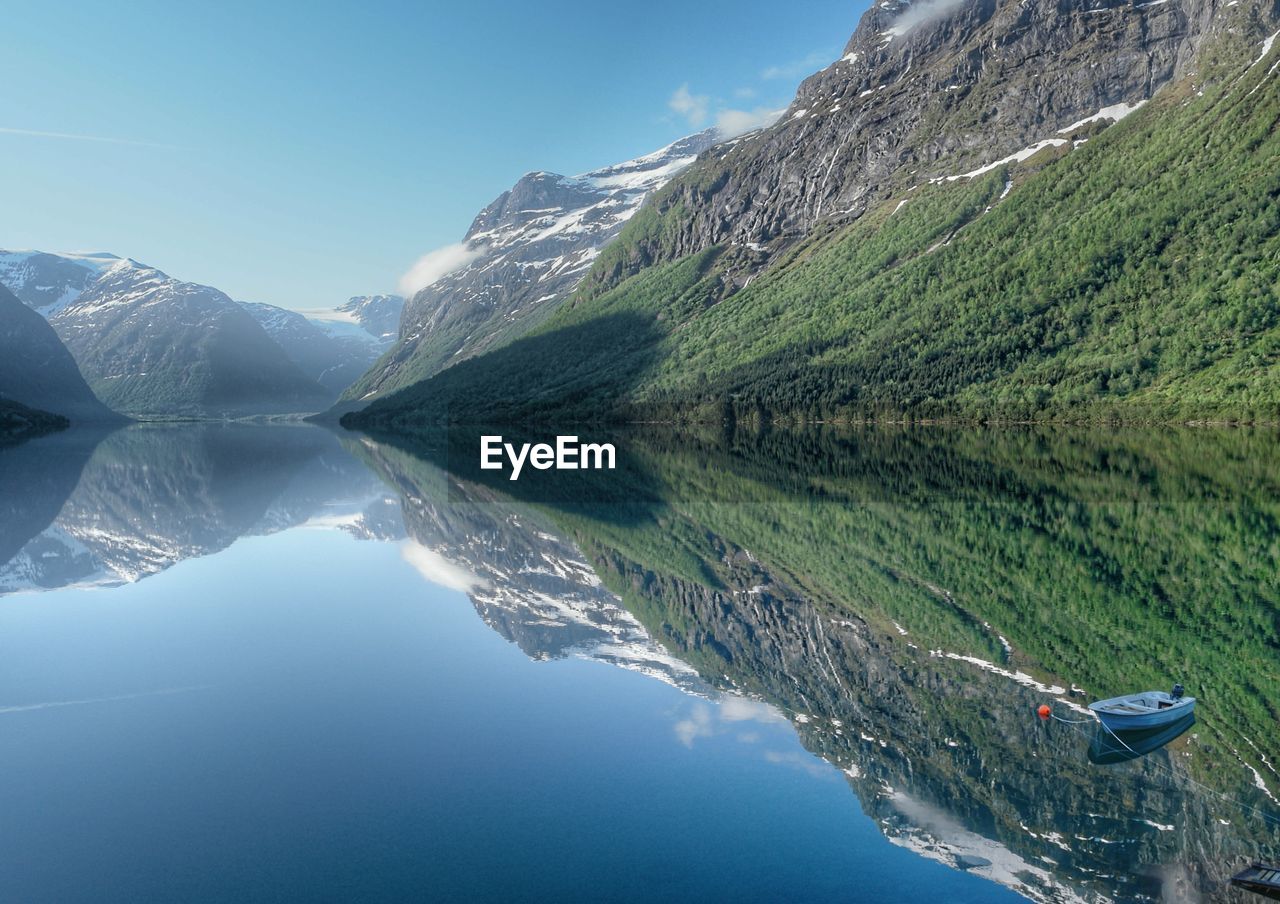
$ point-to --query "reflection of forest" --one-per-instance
(909, 598)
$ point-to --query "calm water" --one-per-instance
(267, 663)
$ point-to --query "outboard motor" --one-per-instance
(1177, 692)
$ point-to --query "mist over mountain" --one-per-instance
(334, 353)
(152, 345)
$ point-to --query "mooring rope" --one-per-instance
(1157, 764)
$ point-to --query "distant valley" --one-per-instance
(152, 346)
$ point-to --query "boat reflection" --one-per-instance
(1108, 748)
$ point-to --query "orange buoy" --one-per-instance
(1044, 711)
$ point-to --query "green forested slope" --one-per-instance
(1133, 278)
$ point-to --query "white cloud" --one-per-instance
(732, 123)
(704, 721)
(921, 13)
(439, 570)
(797, 68)
(33, 133)
(741, 709)
(802, 761)
(693, 107)
(437, 264)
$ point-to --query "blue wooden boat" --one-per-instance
(1110, 747)
(1149, 709)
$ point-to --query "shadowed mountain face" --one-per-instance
(908, 600)
(37, 370)
(949, 223)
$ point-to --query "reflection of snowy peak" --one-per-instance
(535, 243)
(149, 498)
(533, 588)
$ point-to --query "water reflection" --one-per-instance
(909, 598)
(905, 600)
(91, 509)
(1110, 747)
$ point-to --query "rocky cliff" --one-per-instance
(932, 89)
(533, 244)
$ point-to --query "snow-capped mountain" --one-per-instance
(334, 353)
(535, 243)
(149, 344)
(377, 315)
(37, 370)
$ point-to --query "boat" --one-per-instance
(1259, 879)
(1110, 747)
(1149, 709)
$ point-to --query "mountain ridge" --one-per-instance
(898, 313)
(534, 243)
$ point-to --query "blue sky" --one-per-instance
(303, 153)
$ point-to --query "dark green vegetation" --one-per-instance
(788, 565)
(19, 422)
(1109, 560)
(1133, 279)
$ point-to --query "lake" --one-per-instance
(259, 663)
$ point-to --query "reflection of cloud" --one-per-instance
(439, 570)
(55, 704)
(704, 721)
(698, 724)
(740, 709)
(802, 761)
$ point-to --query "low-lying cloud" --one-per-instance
(732, 123)
(920, 13)
(437, 264)
(438, 570)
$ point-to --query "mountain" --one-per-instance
(152, 345)
(951, 221)
(533, 244)
(377, 315)
(334, 353)
(36, 369)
